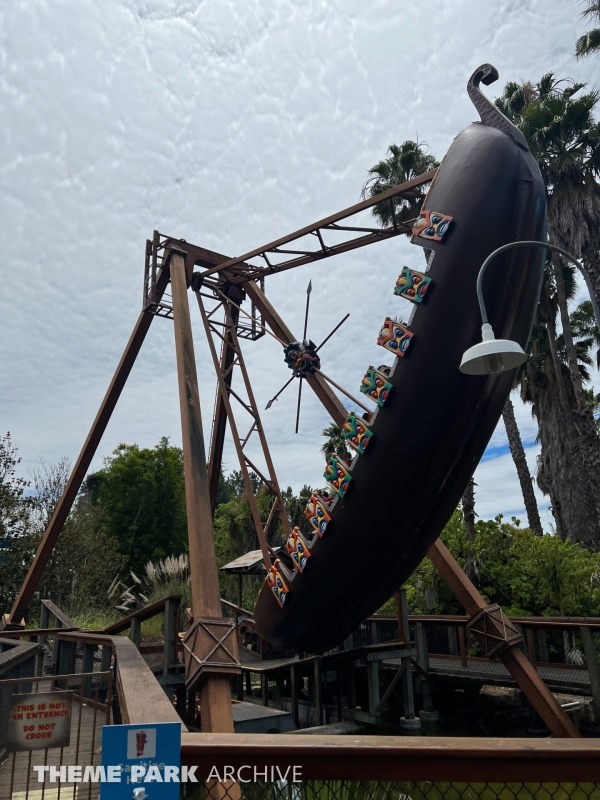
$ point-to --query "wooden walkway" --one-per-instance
(18, 781)
(558, 677)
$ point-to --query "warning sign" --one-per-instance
(38, 721)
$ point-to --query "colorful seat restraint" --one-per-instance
(431, 225)
(276, 584)
(298, 549)
(394, 336)
(376, 386)
(317, 514)
(337, 475)
(412, 285)
(356, 433)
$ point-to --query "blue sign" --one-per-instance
(149, 758)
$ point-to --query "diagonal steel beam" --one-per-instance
(523, 672)
(220, 416)
(82, 464)
(406, 188)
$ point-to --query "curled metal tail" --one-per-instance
(490, 115)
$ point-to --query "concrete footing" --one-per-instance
(410, 724)
(429, 716)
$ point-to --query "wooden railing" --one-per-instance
(50, 610)
(141, 700)
(169, 606)
(574, 668)
(17, 659)
(391, 758)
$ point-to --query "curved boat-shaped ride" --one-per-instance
(432, 423)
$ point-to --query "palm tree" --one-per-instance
(590, 41)
(565, 140)
(335, 443)
(402, 163)
(585, 329)
(517, 452)
(561, 473)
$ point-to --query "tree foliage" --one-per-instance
(140, 495)
(402, 163)
(527, 575)
(84, 561)
(590, 41)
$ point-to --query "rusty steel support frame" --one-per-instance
(210, 677)
(61, 512)
(230, 340)
(240, 271)
(217, 439)
(499, 628)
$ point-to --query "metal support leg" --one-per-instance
(427, 714)
(407, 694)
(82, 465)
(373, 685)
(215, 695)
(534, 688)
(409, 723)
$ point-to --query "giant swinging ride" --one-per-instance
(415, 446)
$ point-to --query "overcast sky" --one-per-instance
(228, 124)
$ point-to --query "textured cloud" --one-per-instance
(227, 124)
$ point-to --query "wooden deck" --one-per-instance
(18, 781)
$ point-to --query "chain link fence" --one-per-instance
(398, 790)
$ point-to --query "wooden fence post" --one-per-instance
(402, 616)
(542, 644)
(591, 660)
(170, 631)
(294, 694)
(530, 645)
(135, 634)
(422, 648)
(462, 638)
(89, 650)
